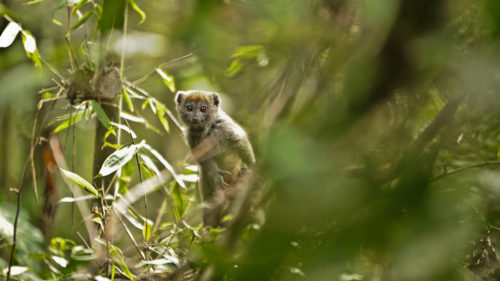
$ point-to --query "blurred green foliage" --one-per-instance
(376, 126)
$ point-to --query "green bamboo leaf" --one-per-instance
(138, 10)
(118, 257)
(164, 162)
(161, 110)
(82, 20)
(117, 159)
(128, 100)
(78, 6)
(34, 2)
(59, 6)
(101, 115)
(76, 179)
(70, 120)
(146, 231)
(167, 79)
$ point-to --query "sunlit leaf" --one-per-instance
(15, 270)
(146, 231)
(78, 6)
(35, 2)
(47, 95)
(125, 128)
(70, 120)
(9, 34)
(167, 79)
(128, 100)
(161, 109)
(132, 118)
(76, 179)
(118, 258)
(165, 163)
(117, 159)
(149, 163)
(59, 6)
(101, 115)
(82, 20)
(138, 10)
(60, 261)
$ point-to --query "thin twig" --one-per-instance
(471, 166)
(14, 237)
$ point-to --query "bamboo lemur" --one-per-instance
(219, 145)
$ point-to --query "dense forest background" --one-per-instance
(376, 126)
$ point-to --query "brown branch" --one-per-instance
(467, 167)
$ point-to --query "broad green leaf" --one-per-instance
(138, 10)
(167, 79)
(9, 34)
(76, 179)
(82, 20)
(161, 110)
(117, 159)
(146, 231)
(101, 115)
(78, 6)
(128, 100)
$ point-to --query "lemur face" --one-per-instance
(197, 109)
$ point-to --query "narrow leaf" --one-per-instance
(78, 6)
(117, 159)
(161, 109)
(125, 128)
(146, 231)
(128, 100)
(101, 115)
(69, 120)
(34, 2)
(149, 163)
(9, 34)
(82, 20)
(164, 162)
(131, 117)
(167, 79)
(76, 179)
(138, 10)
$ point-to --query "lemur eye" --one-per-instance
(189, 108)
(203, 108)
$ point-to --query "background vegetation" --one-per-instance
(375, 124)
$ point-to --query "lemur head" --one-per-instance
(196, 108)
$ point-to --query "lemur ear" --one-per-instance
(179, 97)
(216, 98)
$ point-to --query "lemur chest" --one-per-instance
(229, 161)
